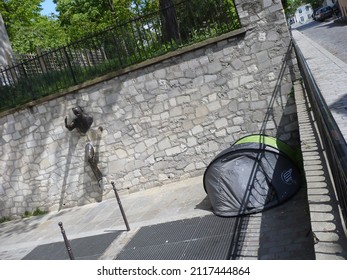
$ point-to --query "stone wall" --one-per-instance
(161, 123)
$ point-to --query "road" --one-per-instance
(330, 35)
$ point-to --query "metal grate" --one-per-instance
(207, 237)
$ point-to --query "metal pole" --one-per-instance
(120, 206)
(66, 241)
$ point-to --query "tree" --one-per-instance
(170, 29)
(314, 3)
(18, 13)
(45, 33)
(28, 29)
(83, 17)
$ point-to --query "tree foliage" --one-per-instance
(83, 17)
(314, 3)
(28, 29)
(45, 33)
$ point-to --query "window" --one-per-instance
(300, 11)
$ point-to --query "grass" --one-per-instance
(27, 214)
(37, 212)
(4, 219)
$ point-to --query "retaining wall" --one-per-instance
(160, 123)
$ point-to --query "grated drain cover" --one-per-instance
(207, 237)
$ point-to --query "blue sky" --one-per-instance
(48, 7)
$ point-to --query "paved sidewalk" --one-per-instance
(176, 201)
(330, 74)
(97, 231)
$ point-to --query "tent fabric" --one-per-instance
(251, 176)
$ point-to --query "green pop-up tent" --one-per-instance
(257, 172)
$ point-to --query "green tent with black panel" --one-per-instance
(257, 172)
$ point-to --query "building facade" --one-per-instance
(343, 7)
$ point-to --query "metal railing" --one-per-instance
(332, 138)
(126, 44)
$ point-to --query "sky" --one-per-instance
(48, 7)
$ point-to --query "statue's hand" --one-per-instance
(69, 127)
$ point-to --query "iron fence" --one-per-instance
(142, 38)
(333, 140)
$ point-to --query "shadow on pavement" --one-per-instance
(86, 248)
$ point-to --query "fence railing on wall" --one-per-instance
(333, 140)
(142, 38)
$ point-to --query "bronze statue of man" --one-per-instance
(93, 161)
(82, 122)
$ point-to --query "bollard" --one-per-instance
(66, 241)
(120, 206)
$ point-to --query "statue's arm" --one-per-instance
(69, 126)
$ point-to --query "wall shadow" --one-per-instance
(281, 232)
(73, 141)
(91, 187)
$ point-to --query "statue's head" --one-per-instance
(82, 121)
(78, 111)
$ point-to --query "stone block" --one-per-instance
(151, 85)
(197, 129)
(176, 111)
(221, 123)
(173, 151)
(214, 67)
(238, 120)
(237, 64)
(140, 147)
(121, 153)
(151, 141)
(262, 56)
(164, 144)
(183, 99)
(191, 142)
(267, 3)
(214, 106)
(201, 111)
(246, 79)
(210, 78)
(160, 74)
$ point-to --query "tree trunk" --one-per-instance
(170, 29)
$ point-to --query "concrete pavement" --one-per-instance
(330, 74)
(282, 232)
(177, 201)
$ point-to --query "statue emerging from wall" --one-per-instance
(82, 122)
(90, 155)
